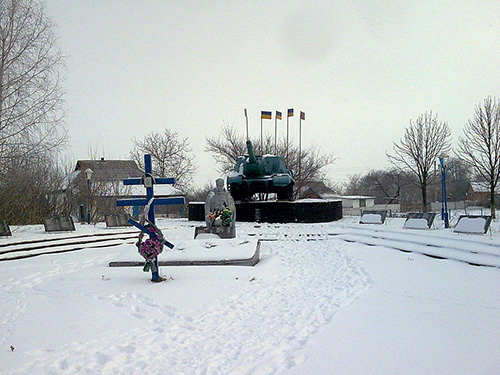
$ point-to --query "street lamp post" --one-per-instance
(88, 176)
(444, 198)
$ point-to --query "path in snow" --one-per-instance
(258, 331)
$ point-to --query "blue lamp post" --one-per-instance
(444, 199)
(88, 175)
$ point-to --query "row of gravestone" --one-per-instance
(472, 224)
(466, 223)
(66, 224)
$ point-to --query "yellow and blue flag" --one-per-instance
(278, 115)
(265, 115)
(290, 112)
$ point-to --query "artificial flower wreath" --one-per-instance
(151, 247)
(225, 216)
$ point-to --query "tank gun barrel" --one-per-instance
(251, 153)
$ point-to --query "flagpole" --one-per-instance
(246, 119)
(276, 134)
(300, 149)
(261, 143)
(287, 130)
(302, 117)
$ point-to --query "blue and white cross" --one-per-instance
(149, 181)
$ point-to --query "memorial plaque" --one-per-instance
(473, 224)
(373, 217)
(419, 220)
(222, 232)
(117, 220)
(4, 229)
(59, 224)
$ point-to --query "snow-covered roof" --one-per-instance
(482, 187)
(159, 190)
(319, 189)
(354, 197)
(109, 170)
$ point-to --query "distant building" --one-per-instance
(106, 186)
(317, 190)
(351, 204)
(479, 193)
(110, 172)
(357, 201)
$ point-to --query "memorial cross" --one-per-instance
(150, 202)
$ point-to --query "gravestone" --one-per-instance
(419, 220)
(222, 232)
(4, 229)
(220, 213)
(59, 224)
(473, 224)
(373, 217)
(118, 220)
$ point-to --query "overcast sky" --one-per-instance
(360, 70)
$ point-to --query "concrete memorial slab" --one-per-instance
(373, 217)
(4, 229)
(472, 224)
(117, 220)
(221, 232)
(59, 224)
(419, 220)
(206, 250)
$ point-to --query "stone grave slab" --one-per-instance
(4, 229)
(59, 224)
(373, 217)
(473, 224)
(117, 220)
(221, 232)
(419, 220)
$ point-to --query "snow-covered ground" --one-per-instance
(333, 298)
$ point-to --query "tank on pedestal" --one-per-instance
(260, 174)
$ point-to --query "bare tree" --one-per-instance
(229, 145)
(31, 190)
(424, 140)
(458, 174)
(480, 145)
(226, 148)
(170, 155)
(200, 194)
(31, 99)
(387, 186)
(354, 185)
(32, 130)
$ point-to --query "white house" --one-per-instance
(357, 201)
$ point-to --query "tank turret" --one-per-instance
(260, 174)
